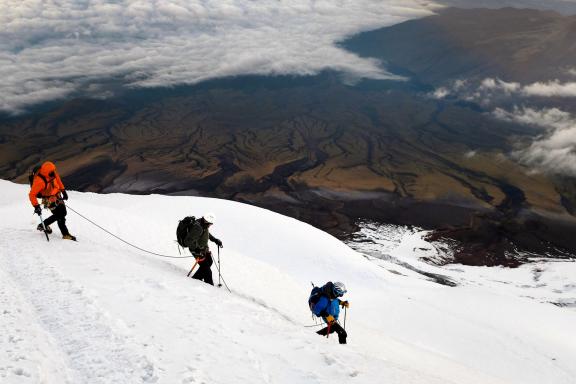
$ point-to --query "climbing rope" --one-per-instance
(124, 241)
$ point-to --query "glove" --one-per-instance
(64, 194)
(330, 319)
(344, 304)
(38, 209)
(200, 259)
(218, 243)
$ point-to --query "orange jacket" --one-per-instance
(45, 185)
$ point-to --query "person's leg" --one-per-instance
(335, 327)
(208, 277)
(199, 274)
(208, 273)
(52, 218)
(60, 212)
(204, 272)
(342, 335)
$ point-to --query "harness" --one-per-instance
(52, 201)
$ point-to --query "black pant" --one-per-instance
(204, 272)
(58, 215)
(335, 327)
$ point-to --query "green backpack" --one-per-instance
(188, 232)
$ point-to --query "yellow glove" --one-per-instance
(330, 319)
(344, 304)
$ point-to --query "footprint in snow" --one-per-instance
(329, 360)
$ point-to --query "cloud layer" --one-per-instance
(492, 91)
(51, 49)
(555, 150)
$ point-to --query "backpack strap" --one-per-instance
(38, 174)
(43, 178)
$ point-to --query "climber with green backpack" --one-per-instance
(194, 234)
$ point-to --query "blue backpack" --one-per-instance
(317, 293)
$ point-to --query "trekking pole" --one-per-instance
(224, 281)
(43, 226)
(219, 269)
(345, 313)
(194, 266)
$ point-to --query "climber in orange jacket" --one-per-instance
(47, 185)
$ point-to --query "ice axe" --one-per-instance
(43, 226)
(194, 266)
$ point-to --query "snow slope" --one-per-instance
(545, 279)
(98, 311)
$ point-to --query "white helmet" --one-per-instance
(209, 217)
(339, 289)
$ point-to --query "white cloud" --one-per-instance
(52, 49)
(470, 154)
(491, 91)
(555, 150)
(440, 93)
(490, 84)
(551, 88)
(545, 118)
(552, 151)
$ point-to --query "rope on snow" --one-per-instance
(126, 242)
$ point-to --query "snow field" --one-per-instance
(98, 311)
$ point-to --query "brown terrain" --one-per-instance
(521, 45)
(318, 150)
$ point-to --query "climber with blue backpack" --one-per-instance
(325, 302)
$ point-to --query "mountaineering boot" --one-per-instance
(69, 237)
(41, 228)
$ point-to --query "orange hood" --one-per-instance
(46, 168)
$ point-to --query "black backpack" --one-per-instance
(184, 227)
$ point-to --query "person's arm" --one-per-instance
(334, 309)
(37, 187)
(58, 182)
(215, 240)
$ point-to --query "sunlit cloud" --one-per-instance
(550, 89)
(553, 151)
(491, 91)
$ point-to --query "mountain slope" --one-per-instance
(98, 311)
(522, 45)
(314, 149)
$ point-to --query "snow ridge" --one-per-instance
(98, 311)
